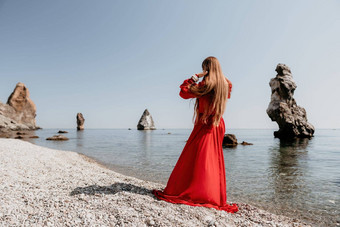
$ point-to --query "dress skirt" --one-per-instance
(198, 178)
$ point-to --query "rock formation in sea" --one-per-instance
(229, 140)
(57, 137)
(146, 121)
(80, 121)
(19, 113)
(291, 118)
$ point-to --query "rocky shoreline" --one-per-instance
(19, 112)
(41, 186)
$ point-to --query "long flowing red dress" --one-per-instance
(198, 178)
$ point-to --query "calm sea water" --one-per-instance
(299, 179)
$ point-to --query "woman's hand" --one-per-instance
(202, 74)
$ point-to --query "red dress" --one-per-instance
(198, 178)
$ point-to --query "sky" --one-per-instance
(110, 60)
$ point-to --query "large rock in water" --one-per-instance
(291, 118)
(19, 113)
(146, 122)
(80, 121)
(229, 140)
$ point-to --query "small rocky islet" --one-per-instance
(146, 121)
(17, 116)
(80, 121)
(19, 112)
(291, 118)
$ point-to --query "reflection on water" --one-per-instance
(287, 171)
(80, 137)
(298, 178)
(145, 149)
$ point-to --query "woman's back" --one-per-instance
(204, 102)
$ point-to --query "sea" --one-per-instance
(298, 178)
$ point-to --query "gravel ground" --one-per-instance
(45, 187)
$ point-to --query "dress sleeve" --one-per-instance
(185, 91)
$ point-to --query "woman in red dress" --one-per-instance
(198, 178)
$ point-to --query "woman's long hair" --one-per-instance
(214, 84)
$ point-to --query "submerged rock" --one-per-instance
(61, 131)
(245, 143)
(291, 118)
(57, 137)
(80, 121)
(146, 121)
(229, 140)
(21, 133)
(19, 113)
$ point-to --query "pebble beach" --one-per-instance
(46, 187)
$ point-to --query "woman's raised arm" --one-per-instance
(185, 86)
(185, 91)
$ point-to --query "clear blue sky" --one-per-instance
(112, 59)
